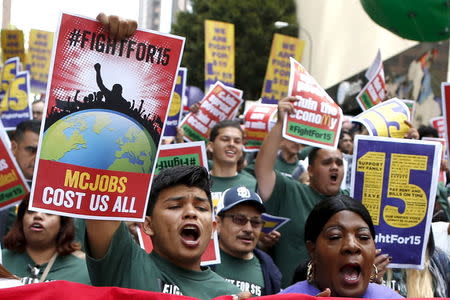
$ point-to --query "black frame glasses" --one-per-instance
(242, 220)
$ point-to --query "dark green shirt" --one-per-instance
(68, 267)
(245, 274)
(127, 265)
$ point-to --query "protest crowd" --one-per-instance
(304, 177)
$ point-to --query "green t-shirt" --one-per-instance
(127, 265)
(245, 274)
(68, 267)
(294, 200)
(284, 167)
(220, 184)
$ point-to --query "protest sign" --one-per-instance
(100, 137)
(40, 51)
(445, 92)
(317, 120)
(442, 174)
(375, 89)
(173, 118)
(257, 122)
(12, 44)
(386, 119)
(13, 186)
(396, 180)
(276, 81)
(219, 104)
(181, 154)
(272, 223)
(439, 124)
(219, 53)
(14, 103)
(411, 104)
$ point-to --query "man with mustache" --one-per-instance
(239, 225)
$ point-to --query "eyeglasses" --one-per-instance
(242, 220)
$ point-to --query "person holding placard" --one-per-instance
(289, 198)
(179, 222)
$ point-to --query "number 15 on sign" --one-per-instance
(396, 180)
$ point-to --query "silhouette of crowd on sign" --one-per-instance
(105, 98)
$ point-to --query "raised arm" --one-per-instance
(265, 161)
(99, 235)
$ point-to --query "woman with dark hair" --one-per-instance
(40, 247)
(339, 236)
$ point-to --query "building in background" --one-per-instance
(160, 14)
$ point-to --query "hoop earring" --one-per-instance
(310, 272)
(374, 275)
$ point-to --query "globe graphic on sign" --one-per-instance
(102, 139)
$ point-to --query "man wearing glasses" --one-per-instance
(239, 225)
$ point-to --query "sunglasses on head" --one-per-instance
(242, 220)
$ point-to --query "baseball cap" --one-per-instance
(237, 195)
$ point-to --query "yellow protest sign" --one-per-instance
(12, 44)
(219, 53)
(40, 51)
(386, 119)
(276, 81)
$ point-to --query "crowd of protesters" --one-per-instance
(327, 248)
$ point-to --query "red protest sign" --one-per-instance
(220, 103)
(374, 91)
(317, 119)
(102, 128)
(13, 186)
(439, 124)
(257, 121)
(445, 91)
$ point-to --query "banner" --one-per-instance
(439, 124)
(103, 127)
(13, 186)
(317, 120)
(54, 290)
(12, 44)
(276, 81)
(374, 91)
(40, 51)
(219, 104)
(396, 180)
(15, 91)
(219, 53)
(257, 122)
(173, 118)
(386, 119)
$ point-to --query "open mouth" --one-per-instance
(36, 227)
(333, 177)
(190, 235)
(351, 273)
